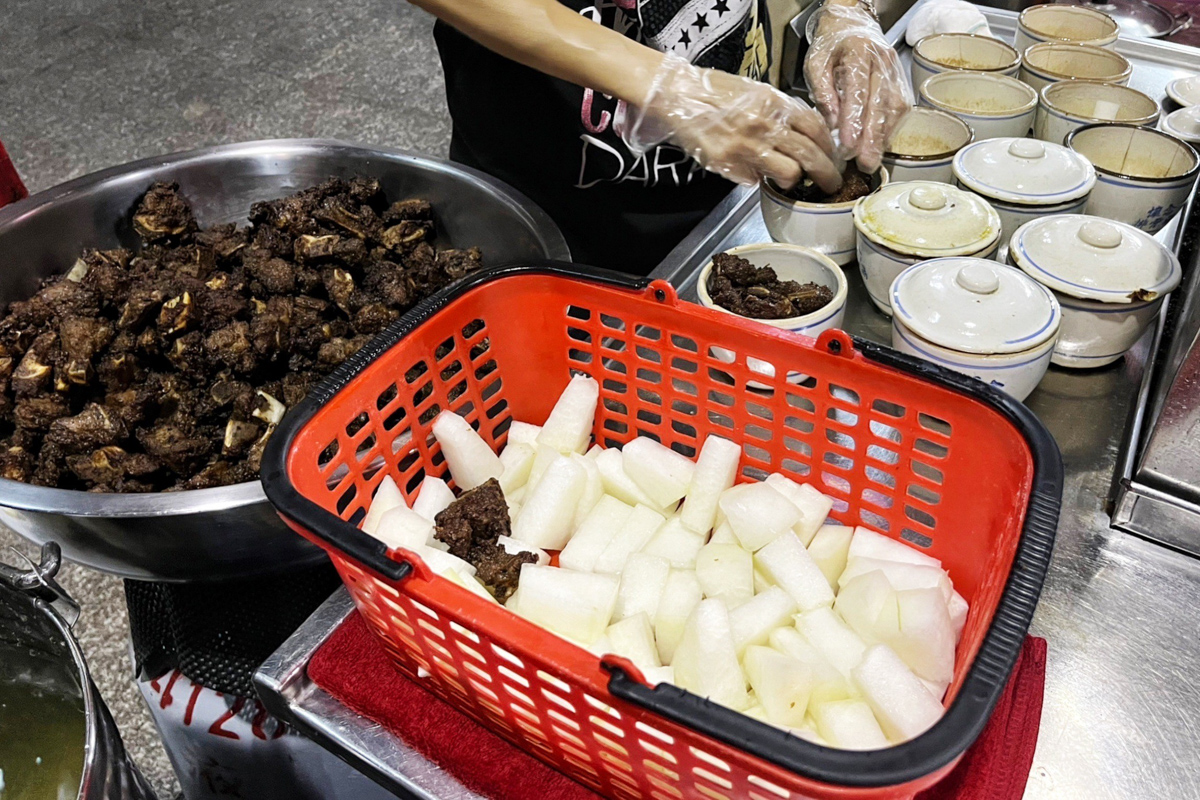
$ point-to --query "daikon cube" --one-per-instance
(546, 515)
(813, 506)
(862, 600)
(568, 429)
(659, 675)
(517, 460)
(850, 725)
(470, 458)
(639, 528)
(902, 704)
(958, 608)
(469, 583)
(753, 621)
(726, 571)
(578, 605)
(523, 433)
(642, 582)
(761, 582)
(593, 536)
(926, 639)
(402, 527)
(387, 497)
(705, 662)
(433, 498)
(825, 630)
(867, 543)
(828, 683)
(513, 547)
(543, 457)
(723, 534)
(440, 562)
(617, 483)
(900, 575)
(633, 638)
(593, 490)
(758, 514)
(782, 684)
(829, 548)
(679, 598)
(789, 566)
(716, 470)
(676, 544)
(658, 470)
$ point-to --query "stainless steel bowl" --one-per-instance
(231, 531)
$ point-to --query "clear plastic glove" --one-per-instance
(856, 80)
(735, 127)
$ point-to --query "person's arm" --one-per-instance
(739, 128)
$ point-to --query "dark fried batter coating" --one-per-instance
(497, 569)
(147, 369)
(471, 526)
(738, 286)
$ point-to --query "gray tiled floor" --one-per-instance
(87, 84)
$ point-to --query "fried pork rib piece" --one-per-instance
(169, 366)
(471, 526)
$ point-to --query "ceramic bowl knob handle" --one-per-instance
(1100, 234)
(978, 279)
(1027, 148)
(927, 198)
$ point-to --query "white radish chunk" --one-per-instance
(938, 690)
(471, 459)
(642, 582)
(433, 498)
(659, 675)
(781, 683)
(789, 566)
(753, 621)
(850, 725)
(523, 433)
(593, 536)
(403, 527)
(387, 497)
(578, 605)
(593, 490)
(828, 682)
(705, 662)
(594, 451)
(867, 543)
(825, 630)
(658, 470)
(468, 582)
(617, 483)
(926, 641)
(598, 647)
(761, 582)
(902, 704)
(676, 544)
(678, 599)
(723, 534)
(958, 613)
(829, 548)
(441, 562)
(809, 733)
(568, 429)
(636, 533)
(726, 572)
(901, 575)
(756, 711)
(861, 602)
(813, 506)
(716, 470)
(543, 457)
(517, 460)
(758, 514)
(513, 547)
(633, 638)
(546, 515)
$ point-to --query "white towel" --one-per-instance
(946, 16)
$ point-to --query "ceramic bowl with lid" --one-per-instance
(1052, 22)
(1183, 124)
(1068, 105)
(1110, 279)
(922, 145)
(825, 227)
(1050, 62)
(1025, 178)
(956, 52)
(993, 105)
(1185, 91)
(1143, 176)
(904, 223)
(984, 319)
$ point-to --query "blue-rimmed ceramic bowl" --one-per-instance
(977, 317)
(993, 105)
(1024, 179)
(922, 145)
(1109, 278)
(827, 228)
(1066, 106)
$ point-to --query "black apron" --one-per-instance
(559, 143)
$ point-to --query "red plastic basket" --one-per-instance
(903, 446)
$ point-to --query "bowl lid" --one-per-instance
(926, 218)
(1094, 259)
(1024, 171)
(974, 305)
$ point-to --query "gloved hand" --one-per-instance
(856, 80)
(736, 127)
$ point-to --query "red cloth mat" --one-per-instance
(11, 187)
(995, 768)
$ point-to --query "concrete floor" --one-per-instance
(87, 84)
